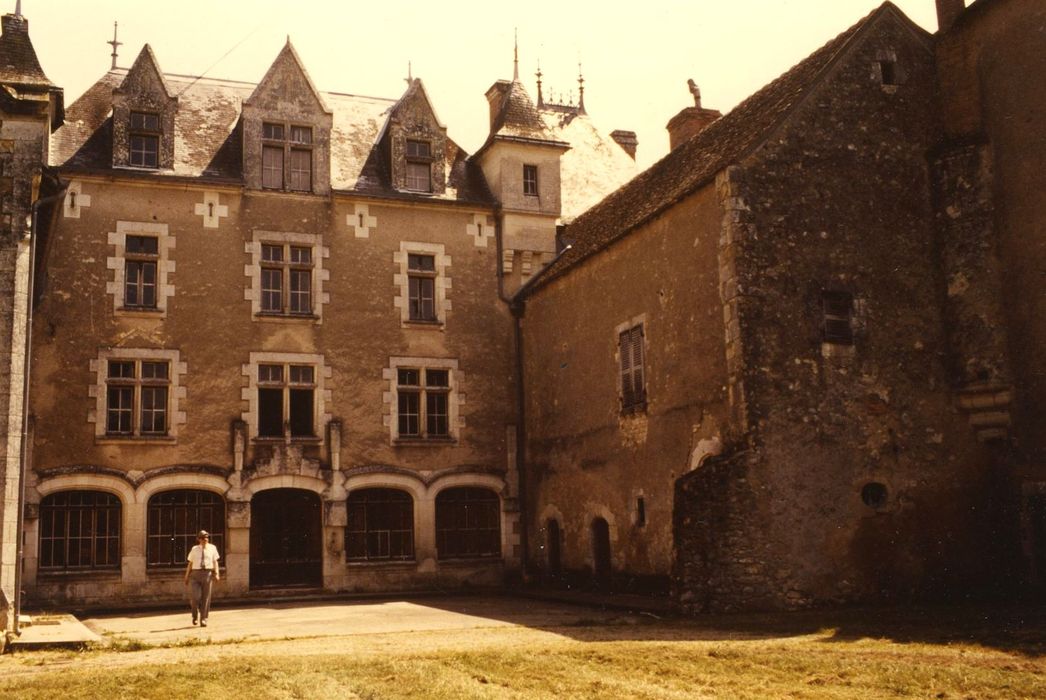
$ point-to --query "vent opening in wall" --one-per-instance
(640, 512)
(873, 494)
(888, 72)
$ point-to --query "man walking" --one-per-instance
(200, 571)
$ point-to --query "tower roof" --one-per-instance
(18, 62)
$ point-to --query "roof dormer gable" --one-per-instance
(414, 142)
(144, 111)
(286, 130)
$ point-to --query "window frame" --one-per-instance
(364, 499)
(287, 269)
(138, 385)
(110, 536)
(424, 394)
(286, 138)
(145, 135)
(465, 504)
(632, 364)
(141, 261)
(196, 516)
(418, 162)
(837, 318)
(287, 385)
(530, 180)
(419, 281)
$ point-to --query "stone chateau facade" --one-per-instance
(795, 362)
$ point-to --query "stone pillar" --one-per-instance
(425, 533)
(237, 547)
(132, 570)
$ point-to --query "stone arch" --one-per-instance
(591, 513)
(387, 480)
(488, 481)
(186, 480)
(285, 481)
(88, 482)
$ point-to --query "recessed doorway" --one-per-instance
(286, 539)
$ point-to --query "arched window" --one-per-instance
(468, 523)
(80, 531)
(174, 519)
(380, 525)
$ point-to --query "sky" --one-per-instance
(636, 57)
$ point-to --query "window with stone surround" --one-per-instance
(141, 260)
(423, 281)
(837, 318)
(380, 525)
(468, 523)
(144, 140)
(530, 180)
(136, 401)
(141, 265)
(286, 396)
(174, 518)
(79, 531)
(287, 157)
(423, 403)
(633, 375)
(419, 165)
(424, 400)
(137, 393)
(286, 276)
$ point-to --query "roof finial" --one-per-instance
(580, 90)
(541, 100)
(114, 43)
(695, 91)
(515, 55)
(410, 73)
(18, 8)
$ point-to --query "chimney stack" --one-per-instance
(690, 121)
(627, 140)
(947, 12)
(496, 99)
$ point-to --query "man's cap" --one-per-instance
(202, 533)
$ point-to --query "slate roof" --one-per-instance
(208, 138)
(594, 166)
(696, 162)
(18, 62)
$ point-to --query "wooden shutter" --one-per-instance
(625, 352)
(638, 378)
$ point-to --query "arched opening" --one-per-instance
(468, 523)
(79, 531)
(286, 539)
(552, 551)
(380, 525)
(174, 518)
(601, 564)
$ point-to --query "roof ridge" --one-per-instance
(713, 148)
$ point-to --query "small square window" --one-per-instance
(837, 318)
(888, 72)
(301, 134)
(272, 131)
(419, 149)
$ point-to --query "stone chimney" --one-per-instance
(690, 121)
(627, 140)
(496, 99)
(947, 12)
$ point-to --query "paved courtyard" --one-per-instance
(341, 618)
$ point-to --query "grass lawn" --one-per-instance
(928, 653)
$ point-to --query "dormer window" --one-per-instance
(145, 134)
(530, 180)
(283, 145)
(419, 165)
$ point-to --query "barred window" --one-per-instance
(468, 523)
(421, 281)
(174, 518)
(80, 531)
(380, 525)
(633, 381)
(837, 318)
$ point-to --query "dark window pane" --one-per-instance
(174, 518)
(409, 414)
(270, 412)
(272, 289)
(301, 291)
(437, 377)
(272, 167)
(79, 530)
(409, 377)
(154, 410)
(436, 418)
(419, 177)
(421, 263)
(270, 373)
(301, 412)
(468, 523)
(142, 245)
(301, 170)
(380, 525)
(272, 131)
(145, 150)
(301, 374)
(419, 149)
(119, 410)
(301, 134)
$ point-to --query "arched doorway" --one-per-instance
(286, 539)
(552, 539)
(601, 566)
